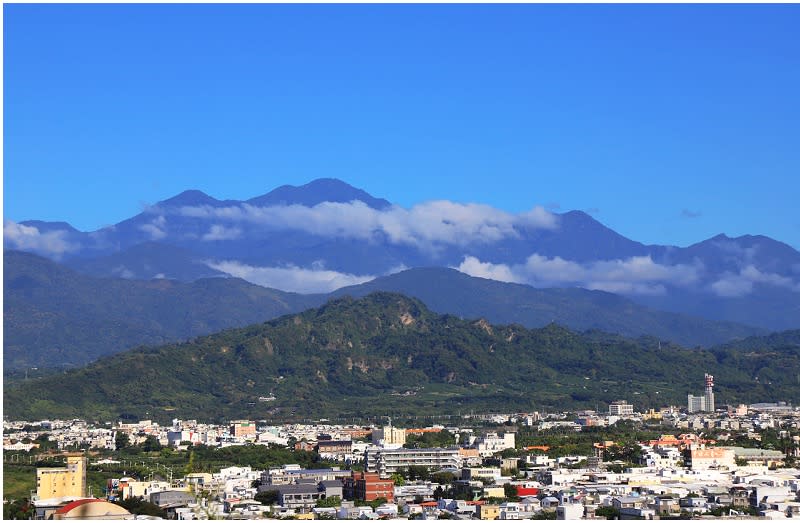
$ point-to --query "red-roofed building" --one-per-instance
(91, 508)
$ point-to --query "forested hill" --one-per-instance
(54, 316)
(386, 353)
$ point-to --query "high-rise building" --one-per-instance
(704, 403)
(709, 393)
(696, 404)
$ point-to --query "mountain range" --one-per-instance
(325, 235)
(55, 316)
(386, 353)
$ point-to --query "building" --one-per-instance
(366, 486)
(289, 474)
(620, 408)
(243, 429)
(709, 458)
(389, 435)
(492, 443)
(386, 462)
(488, 511)
(303, 496)
(61, 482)
(569, 511)
(696, 404)
(91, 509)
(171, 499)
(335, 447)
(704, 403)
(709, 395)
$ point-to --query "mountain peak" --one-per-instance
(44, 226)
(316, 192)
(190, 197)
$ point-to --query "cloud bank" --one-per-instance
(635, 275)
(291, 278)
(732, 285)
(29, 238)
(426, 226)
(220, 232)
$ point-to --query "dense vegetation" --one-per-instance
(448, 291)
(388, 354)
(54, 316)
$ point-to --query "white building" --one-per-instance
(620, 408)
(388, 461)
(492, 443)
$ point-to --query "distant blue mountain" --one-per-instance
(316, 192)
(54, 316)
(753, 280)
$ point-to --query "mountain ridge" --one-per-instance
(285, 239)
(388, 353)
(53, 314)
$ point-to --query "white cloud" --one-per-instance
(635, 275)
(426, 226)
(155, 228)
(741, 283)
(123, 272)
(29, 238)
(492, 271)
(291, 278)
(220, 232)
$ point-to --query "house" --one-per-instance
(667, 505)
(488, 511)
(302, 496)
(330, 488)
(549, 503)
(569, 511)
(510, 510)
(623, 502)
(348, 510)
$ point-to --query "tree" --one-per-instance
(190, 465)
(329, 502)
(269, 497)
(398, 479)
(377, 502)
(140, 506)
(607, 512)
(121, 440)
(510, 491)
(18, 509)
(418, 472)
(443, 478)
(151, 443)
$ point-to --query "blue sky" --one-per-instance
(669, 123)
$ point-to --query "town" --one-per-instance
(699, 460)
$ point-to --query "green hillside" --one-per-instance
(387, 353)
(448, 291)
(54, 316)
